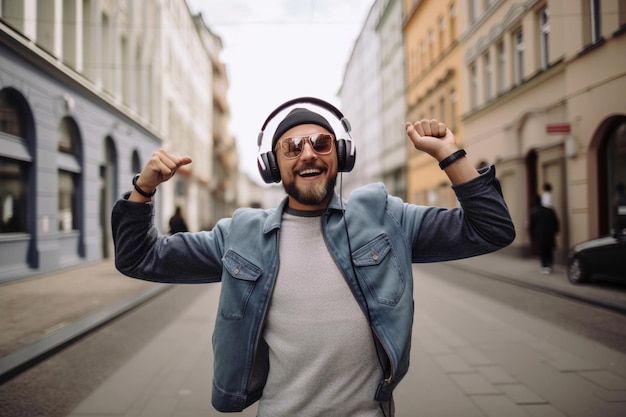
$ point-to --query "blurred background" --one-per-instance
(90, 88)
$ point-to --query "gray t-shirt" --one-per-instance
(322, 356)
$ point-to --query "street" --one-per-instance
(480, 348)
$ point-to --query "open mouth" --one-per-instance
(311, 172)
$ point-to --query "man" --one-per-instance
(316, 304)
(544, 226)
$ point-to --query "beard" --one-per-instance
(313, 194)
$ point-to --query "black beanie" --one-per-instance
(296, 117)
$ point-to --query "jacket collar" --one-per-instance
(275, 216)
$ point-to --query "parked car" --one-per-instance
(603, 259)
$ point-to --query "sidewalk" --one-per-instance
(46, 311)
(525, 272)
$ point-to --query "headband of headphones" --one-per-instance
(346, 151)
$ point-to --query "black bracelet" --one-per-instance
(450, 159)
(139, 190)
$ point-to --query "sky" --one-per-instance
(276, 50)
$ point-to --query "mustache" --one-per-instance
(310, 165)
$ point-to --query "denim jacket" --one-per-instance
(373, 237)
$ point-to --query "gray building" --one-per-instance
(88, 91)
(62, 150)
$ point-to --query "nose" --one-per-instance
(307, 151)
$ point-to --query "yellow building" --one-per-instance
(433, 60)
(541, 93)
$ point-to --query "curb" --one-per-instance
(573, 294)
(13, 363)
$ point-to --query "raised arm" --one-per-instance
(434, 138)
(160, 168)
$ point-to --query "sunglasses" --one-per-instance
(321, 143)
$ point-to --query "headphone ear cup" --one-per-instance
(270, 173)
(345, 161)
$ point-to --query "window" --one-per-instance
(67, 218)
(15, 163)
(621, 10)
(135, 165)
(592, 23)
(518, 39)
(9, 116)
(544, 32)
(501, 56)
(442, 110)
(473, 86)
(452, 121)
(488, 72)
(471, 9)
(595, 20)
(442, 30)
(431, 45)
(452, 22)
(13, 196)
(69, 175)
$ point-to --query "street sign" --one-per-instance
(558, 128)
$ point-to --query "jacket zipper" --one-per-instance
(262, 325)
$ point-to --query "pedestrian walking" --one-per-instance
(177, 222)
(544, 226)
(316, 306)
(546, 195)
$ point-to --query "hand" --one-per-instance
(432, 137)
(161, 167)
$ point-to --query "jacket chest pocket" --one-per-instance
(240, 276)
(377, 265)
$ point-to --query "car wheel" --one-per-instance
(576, 272)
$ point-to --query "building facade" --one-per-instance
(360, 96)
(393, 105)
(89, 89)
(433, 82)
(534, 87)
(544, 101)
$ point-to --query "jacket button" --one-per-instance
(374, 255)
(237, 270)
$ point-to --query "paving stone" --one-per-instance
(474, 384)
(606, 379)
(473, 356)
(495, 374)
(434, 346)
(542, 410)
(566, 362)
(498, 406)
(453, 364)
(612, 396)
(521, 394)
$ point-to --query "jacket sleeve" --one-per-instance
(141, 252)
(481, 224)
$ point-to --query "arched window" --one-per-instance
(15, 163)
(69, 166)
